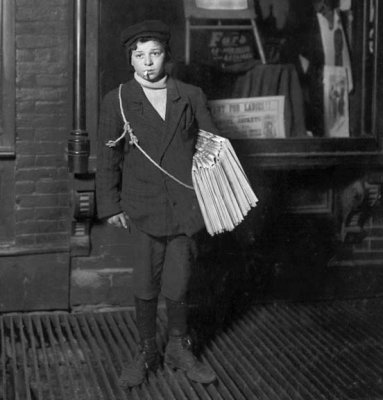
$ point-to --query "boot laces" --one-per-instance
(186, 345)
(145, 358)
(141, 359)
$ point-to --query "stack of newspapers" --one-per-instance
(223, 190)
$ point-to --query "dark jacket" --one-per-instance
(127, 181)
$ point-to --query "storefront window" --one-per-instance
(319, 57)
(312, 102)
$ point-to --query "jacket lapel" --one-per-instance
(137, 107)
(175, 106)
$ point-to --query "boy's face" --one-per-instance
(148, 60)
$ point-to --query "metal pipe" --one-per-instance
(78, 143)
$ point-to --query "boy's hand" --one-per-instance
(119, 220)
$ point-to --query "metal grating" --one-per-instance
(274, 351)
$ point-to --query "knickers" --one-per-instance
(162, 264)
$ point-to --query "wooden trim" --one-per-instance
(378, 118)
(7, 196)
(192, 11)
(376, 68)
(291, 161)
(306, 146)
(7, 69)
(12, 250)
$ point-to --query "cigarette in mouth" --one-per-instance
(146, 74)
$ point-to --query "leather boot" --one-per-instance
(178, 355)
(146, 359)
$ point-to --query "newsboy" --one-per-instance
(160, 210)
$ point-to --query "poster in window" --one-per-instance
(336, 113)
(224, 49)
(250, 117)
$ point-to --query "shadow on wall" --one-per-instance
(228, 278)
(271, 256)
(299, 256)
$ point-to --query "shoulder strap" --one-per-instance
(127, 128)
(134, 141)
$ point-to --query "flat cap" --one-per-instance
(149, 28)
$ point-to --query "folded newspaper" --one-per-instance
(222, 187)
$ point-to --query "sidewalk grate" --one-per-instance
(274, 351)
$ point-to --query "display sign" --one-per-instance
(224, 48)
(231, 47)
(222, 4)
(250, 118)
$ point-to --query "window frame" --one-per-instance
(8, 74)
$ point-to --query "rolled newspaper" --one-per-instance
(222, 187)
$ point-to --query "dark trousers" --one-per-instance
(161, 265)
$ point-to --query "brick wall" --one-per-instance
(43, 98)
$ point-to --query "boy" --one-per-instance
(162, 214)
